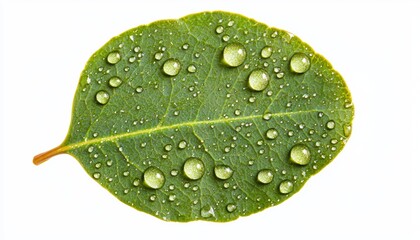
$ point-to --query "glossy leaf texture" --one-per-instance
(209, 117)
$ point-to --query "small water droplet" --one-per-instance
(139, 89)
(251, 99)
(300, 63)
(102, 97)
(207, 211)
(152, 198)
(219, 29)
(266, 52)
(185, 46)
(286, 187)
(347, 130)
(231, 207)
(192, 69)
(96, 175)
(265, 176)
(153, 178)
(330, 125)
(126, 173)
(234, 54)
(258, 80)
(223, 172)
(113, 57)
(226, 38)
(193, 168)
(280, 75)
(136, 182)
(115, 82)
(171, 67)
(158, 55)
(300, 154)
(168, 147)
(172, 197)
(182, 144)
(237, 112)
(174, 172)
(98, 165)
(90, 149)
(272, 133)
(109, 163)
(260, 142)
(267, 116)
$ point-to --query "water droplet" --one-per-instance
(267, 116)
(153, 178)
(231, 207)
(172, 197)
(168, 147)
(139, 89)
(90, 149)
(126, 173)
(98, 165)
(182, 144)
(152, 198)
(102, 97)
(234, 54)
(226, 38)
(347, 130)
(96, 175)
(171, 67)
(194, 168)
(219, 29)
(223, 172)
(158, 55)
(113, 57)
(192, 69)
(115, 82)
(266, 52)
(330, 125)
(207, 211)
(185, 46)
(136, 182)
(109, 163)
(300, 63)
(258, 80)
(265, 176)
(272, 133)
(251, 99)
(174, 172)
(237, 112)
(286, 187)
(280, 75)
(300, 154)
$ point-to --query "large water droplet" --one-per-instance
(113, 57)
(300, 63)
(171, 67)
(265, 176)
(266, 52)
(115, 82)
(286, 187)
(258, 80)
(234, 54)
(272, 133)
(102, 97)
(223, 172)
(153, 178)
(194, 168)
(300, 154)
(207, 211)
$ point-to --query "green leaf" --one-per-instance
(212, 116)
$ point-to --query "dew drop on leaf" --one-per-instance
(113, 57)
(223, 172)
(300, 154)
(115, 82)
(300, 63)
(272, 133)
(266, 52)
(194, 168)
(265, 176)
(231, 207)
(258, 80)
(171, 67)
(347, 130)
(182, 144)
(234, 54)
(102, 97)
(330, 125)
(153, 178)
(207, 211)
(286, 187)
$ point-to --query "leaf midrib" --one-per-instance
(158, 128)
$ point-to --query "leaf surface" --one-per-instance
(212, 116)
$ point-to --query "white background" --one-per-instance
(371, 190)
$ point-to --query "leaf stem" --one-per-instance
(42, 157)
